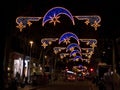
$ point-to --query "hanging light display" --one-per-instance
(53, 16)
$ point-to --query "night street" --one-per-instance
(60, 45)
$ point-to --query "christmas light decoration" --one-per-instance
(24, 21)
(53, 15)
(67, 36)
(74, 52)
(72, 46)
(58, 49)
(62, 55)
(47, 41)
(93, 20)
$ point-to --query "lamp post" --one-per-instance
(113, 60)
(29, 71)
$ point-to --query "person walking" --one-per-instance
(116, 81)
(13, 85)
(108, 80)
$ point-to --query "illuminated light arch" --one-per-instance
(74, 53)
(53, 15)
(66, 38)
(76, 58)
(72, 46)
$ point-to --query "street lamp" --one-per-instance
(31, 43)
(29, 71)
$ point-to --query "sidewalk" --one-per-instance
(31, 87)
(27, 87)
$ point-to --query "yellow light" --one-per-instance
(31, 43)
(50, 42)
(45, 57)
(8, 68)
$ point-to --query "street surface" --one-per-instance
(64, 85)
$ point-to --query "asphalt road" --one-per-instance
(64, 85)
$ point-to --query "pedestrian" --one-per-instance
(13, 85)
(101, 84)
(108, 80)
(17, 77)
(116, 81)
